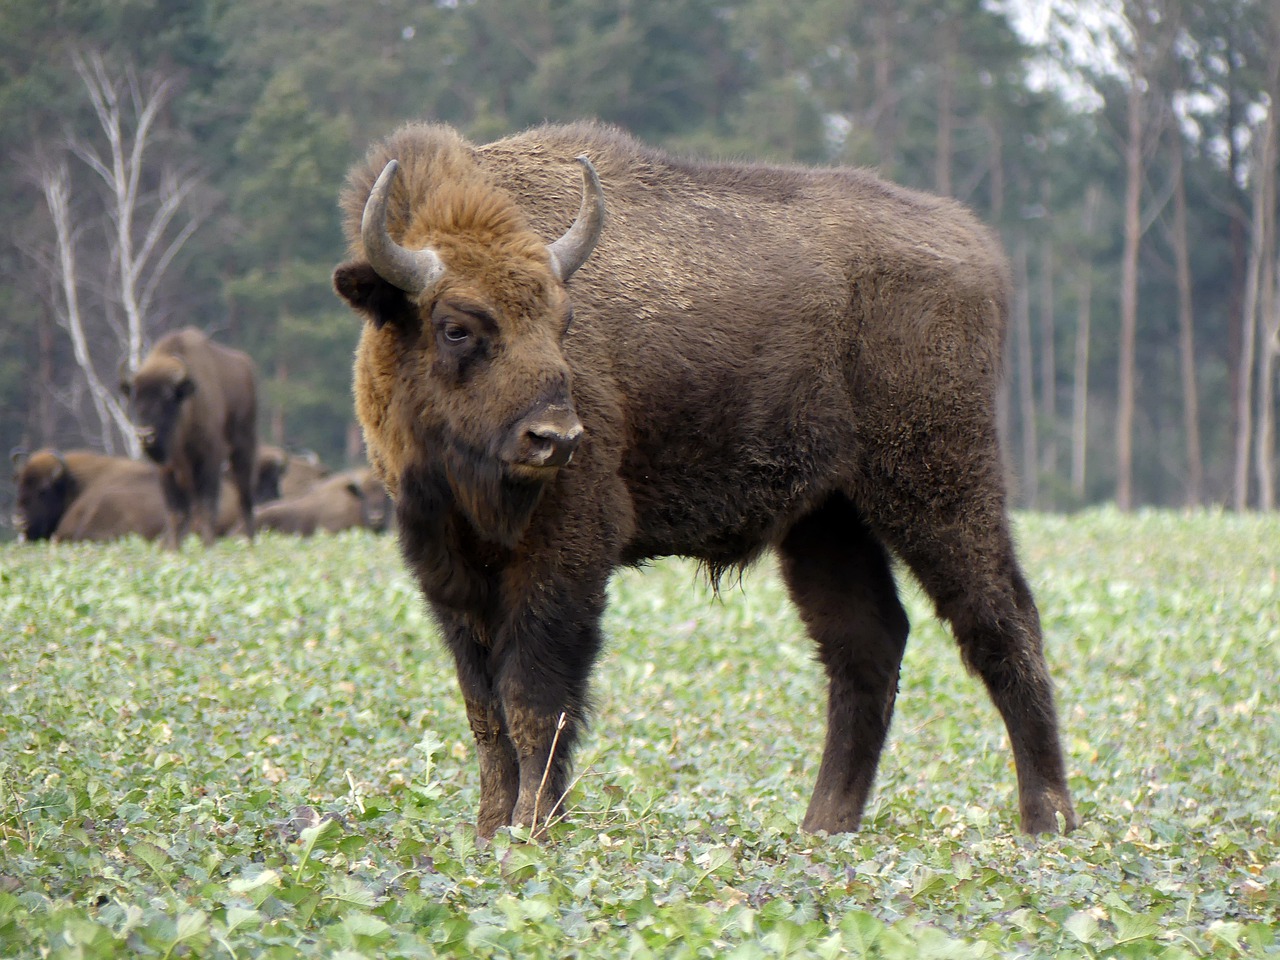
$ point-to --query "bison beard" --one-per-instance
(717, 395)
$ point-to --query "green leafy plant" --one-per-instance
(260, 751)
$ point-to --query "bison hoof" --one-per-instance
(1051, 812)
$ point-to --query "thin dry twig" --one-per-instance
(546, 772)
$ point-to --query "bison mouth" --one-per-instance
(542, 441)
(29, 529)
(496, 497)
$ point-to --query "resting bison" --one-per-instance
(278, 474)
(269, 465)
(81, 495)
(354, 498)
(752, 357)
(302, 472)
(195, 406)
(133, 505)
(50, 481)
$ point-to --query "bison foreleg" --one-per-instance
(543, 687)
(839, 577)
(177, 500)
(499, 770)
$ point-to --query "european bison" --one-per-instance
(302, 472)
(753, 357)
(353, 498)
(134, 505)
(194, 402)
(82, 495)
(280, 475)
(49, 481)
(269, 465)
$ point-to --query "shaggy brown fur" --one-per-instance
(134, 505)
(280, 475)
(195, 403)
(50, 481)
(761, 357)
(353, 498)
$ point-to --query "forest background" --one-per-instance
(178, 162)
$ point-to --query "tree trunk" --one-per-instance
(883, 113)
(45, 387)
(946, 111)
(1186, 332)
(1026, 379)
(1237, 234)
(1264, 447)
(1129, 298)
(1269, 299)
(110, 412)
(1048, 358)
(1080, 385)
(1248, 331)
(277, 411)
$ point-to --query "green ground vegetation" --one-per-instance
(260, 751)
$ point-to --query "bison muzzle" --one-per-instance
(744, 358)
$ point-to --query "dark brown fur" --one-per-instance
(762, 357)
(353, 498)
(280, 475)
(195, 401)
(81, 495)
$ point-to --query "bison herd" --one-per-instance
(194, 404)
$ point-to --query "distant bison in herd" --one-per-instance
(733, 358)
(353, 498)
(195, 405)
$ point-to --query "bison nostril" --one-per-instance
(551, 447)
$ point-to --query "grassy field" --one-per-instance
(261, 752)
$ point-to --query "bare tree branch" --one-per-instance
(55, 184)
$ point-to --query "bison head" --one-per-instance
(460, 360)
(44, 493)
(374, 504)
(157, 393)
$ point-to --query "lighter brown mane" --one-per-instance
(455, 204)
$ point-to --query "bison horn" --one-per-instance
(412, 271)
(571, 251)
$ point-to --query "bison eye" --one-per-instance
(456, 333)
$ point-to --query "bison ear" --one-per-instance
(367, 293)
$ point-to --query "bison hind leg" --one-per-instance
(840, 578)
(970, 571)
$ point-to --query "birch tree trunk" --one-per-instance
(140, 253)
(139, 222)
(110, 412)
